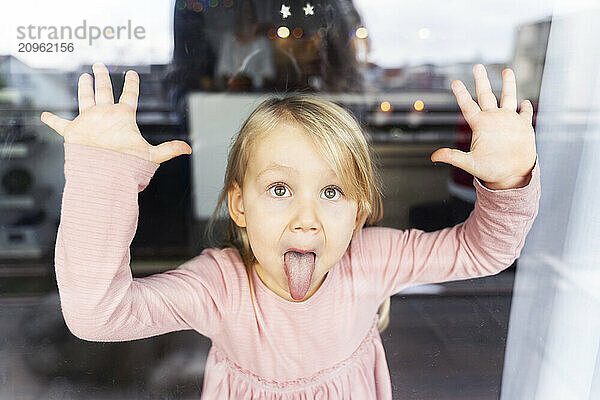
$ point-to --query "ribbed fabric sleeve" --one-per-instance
(485, 244)
(100, 300)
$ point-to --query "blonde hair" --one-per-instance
(340, 140)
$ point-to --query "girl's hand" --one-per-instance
(503, 151)
(101, 123)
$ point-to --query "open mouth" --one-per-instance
(299, 266)
(295, 250)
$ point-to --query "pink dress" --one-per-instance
(326, 347)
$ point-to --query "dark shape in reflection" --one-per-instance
(150, 368)
(237, 49)
(246, 54)
(54, 352)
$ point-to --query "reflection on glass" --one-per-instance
(390, 64)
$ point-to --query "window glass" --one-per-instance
(203, 66)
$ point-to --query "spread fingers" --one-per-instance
(467, 105)
(485, 97)
(102, 85)
(131, 89)
(85, 92)
(509, 90)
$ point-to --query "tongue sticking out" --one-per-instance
(299, 268)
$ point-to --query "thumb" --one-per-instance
(454, 157)
(165, 151)
(527, 110)
(55, 122)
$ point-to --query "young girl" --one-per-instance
(290, 302)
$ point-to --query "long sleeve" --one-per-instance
(100, 300)
(485, 244)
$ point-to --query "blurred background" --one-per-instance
(203, 66)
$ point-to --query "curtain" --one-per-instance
(554, 328)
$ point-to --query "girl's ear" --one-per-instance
(235, 205)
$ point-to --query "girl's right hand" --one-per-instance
(102, 123)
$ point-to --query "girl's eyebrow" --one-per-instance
(273, 166)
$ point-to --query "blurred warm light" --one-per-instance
(419, 105)
(197, 6)
(297, 32)
(362, 33)
(385, 106)
(271, 33)
(283, 32)
(424, 33)
(227, 3)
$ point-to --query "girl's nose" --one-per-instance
(305, 218)
(306, 225)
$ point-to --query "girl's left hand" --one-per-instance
(503, 151)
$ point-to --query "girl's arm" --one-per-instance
(100, 300)
(485, 244)
(107, 163)
(503, 161)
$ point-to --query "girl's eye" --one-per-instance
(330, 193)
(278, 190)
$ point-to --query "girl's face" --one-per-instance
(292, 199)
